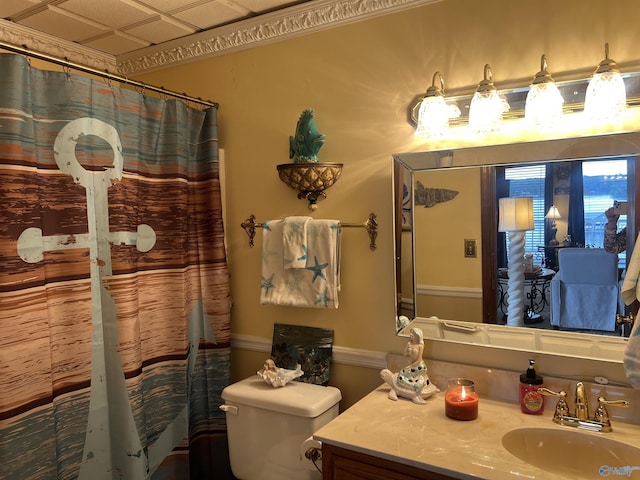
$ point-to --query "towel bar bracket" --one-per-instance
(250, 226)
(371, 225)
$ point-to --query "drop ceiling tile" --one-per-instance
(116, 43)
(264, 5)
(59, 23)
(11, 7)
(169, 5)
(114, 13)
(159, 30)
(209, 15)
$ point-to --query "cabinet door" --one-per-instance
(342, 464)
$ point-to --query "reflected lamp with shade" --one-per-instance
(487, 107)
(515, 218)
(543, 106)
(553, 214)
(606, 97)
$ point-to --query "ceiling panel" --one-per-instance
(114, 13)
(159, 30)
(169, 5)
(210, 14)
(116, 43)
(60, 23)
(264, 5)
(11, 7)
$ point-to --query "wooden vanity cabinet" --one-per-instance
(342, 464)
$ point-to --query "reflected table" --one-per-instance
(537, 284)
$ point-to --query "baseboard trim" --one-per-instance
(341, 355)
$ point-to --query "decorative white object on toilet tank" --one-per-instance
(278, 377)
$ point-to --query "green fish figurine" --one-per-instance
(304, 146)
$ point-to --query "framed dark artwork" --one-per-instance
(311, 347)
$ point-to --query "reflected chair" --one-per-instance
(585, 291)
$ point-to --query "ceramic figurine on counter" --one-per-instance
(278, 377)
(412, 381)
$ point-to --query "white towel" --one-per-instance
(630, 290)
(294, 242)
(631, 359)
(318, 283)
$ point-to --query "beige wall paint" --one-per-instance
(360, 79)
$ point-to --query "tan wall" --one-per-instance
(440, 233)
(441, 230)
(360, 79)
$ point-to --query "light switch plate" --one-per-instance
(470, 248)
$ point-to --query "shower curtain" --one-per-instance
(114, 292)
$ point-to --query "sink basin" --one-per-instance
(572, 453)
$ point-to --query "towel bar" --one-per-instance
(371, 225)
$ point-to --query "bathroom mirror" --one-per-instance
(432, 260)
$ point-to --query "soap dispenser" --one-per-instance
(531, 401)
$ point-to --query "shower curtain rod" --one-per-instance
(104, 74)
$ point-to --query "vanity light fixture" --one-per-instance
(543, 106)
(434, 113)
(487, 107)
(583, 112)
(515, 216)
(553, 214)
(606, 98)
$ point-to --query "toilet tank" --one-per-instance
(266, 427)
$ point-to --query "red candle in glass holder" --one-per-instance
(461, 400)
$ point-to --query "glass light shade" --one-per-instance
(485, 111)
(606, 98)
(543, 106)
(433, 117)
(515, 214)
(487, 107)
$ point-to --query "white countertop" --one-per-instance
(422, 436)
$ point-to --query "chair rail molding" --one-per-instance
(342, 355)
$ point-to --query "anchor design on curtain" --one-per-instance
(108, 388)
(112, 439)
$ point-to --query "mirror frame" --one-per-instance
(555, 342)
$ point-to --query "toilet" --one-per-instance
(267, 426)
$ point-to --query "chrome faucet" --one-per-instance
(600, 421)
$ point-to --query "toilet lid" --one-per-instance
(295, 398)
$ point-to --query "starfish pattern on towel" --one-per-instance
(267, 283)
(324, 298)
(317, 269)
